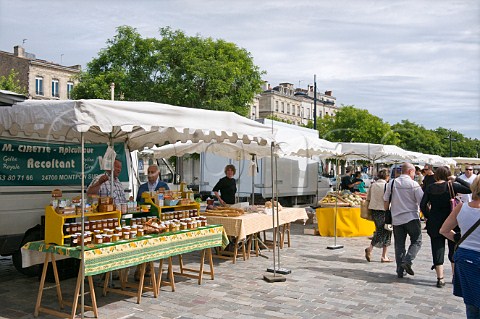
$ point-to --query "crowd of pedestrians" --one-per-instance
(451, 208)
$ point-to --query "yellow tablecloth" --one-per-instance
(349, 222)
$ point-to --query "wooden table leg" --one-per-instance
(140, 284)
(93, 297)
(159, 276)
(42, 284)
(202, 260)
(170, 273)
(153, 280)
(180, 262)
(57, 281)
(77, 291)
(105, 283)
(210, 262)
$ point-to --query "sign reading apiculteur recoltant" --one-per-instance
(46, 164)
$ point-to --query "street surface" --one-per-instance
(323, 284)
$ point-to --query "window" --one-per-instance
(276, 106)
(69, 90)
(283, 107)
(55, 88)
(39, 85)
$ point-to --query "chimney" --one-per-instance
(19, 51)
(328, 93)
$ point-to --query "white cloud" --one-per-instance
(399, 59)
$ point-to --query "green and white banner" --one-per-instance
(48, 164)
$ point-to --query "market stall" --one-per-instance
(107, 257)
(137, 124)
(245, 225)
(349, 222)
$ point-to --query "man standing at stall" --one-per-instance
(153, 183)
(102, 185)
(469, 177)
(406, 196)
(347, 181)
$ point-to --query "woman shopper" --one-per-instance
(382, 238)
(466, 281)
(436, 206)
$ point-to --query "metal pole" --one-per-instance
(314, 101)
(82, 263)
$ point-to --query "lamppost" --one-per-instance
(449, 137)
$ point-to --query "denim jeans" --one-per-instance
(473, 312)
(414, 230)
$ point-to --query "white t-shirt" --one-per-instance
(465, 198)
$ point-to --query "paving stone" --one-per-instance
(323, 284)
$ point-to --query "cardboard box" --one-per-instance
(310, 231)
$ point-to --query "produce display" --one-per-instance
(344, 198)
(224, 211)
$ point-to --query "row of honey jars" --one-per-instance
(179, 214)
(72, 228)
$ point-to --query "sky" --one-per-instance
(416, 60)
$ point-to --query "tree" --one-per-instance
(175, 69)
(414, 137)
(12, 83)
(355, 125)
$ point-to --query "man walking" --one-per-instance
(469, 177)
(406, 197)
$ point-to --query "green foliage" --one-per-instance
(355, 125)
(175, 69)
(12, 83)
(276, 118)
(414, 137)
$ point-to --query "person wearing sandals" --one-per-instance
(382, 238)
(436, 206)
(466, 280)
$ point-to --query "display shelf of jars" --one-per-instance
(60, 229)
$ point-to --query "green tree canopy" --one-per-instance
(355, 125)
(12, 83)
(175, 69)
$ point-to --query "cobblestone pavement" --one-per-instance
(324, 283)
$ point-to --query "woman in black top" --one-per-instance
(227, 187)
(436, 207)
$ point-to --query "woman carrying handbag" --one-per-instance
(382, 238)
(466, 281)
(436, 205)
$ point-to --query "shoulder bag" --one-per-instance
(453, 200)
(388, 212)
(365, 212)
(469, 231)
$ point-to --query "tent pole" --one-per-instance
(276, 277)
(335, 246)
(82, 263)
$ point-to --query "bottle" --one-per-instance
(183, 189)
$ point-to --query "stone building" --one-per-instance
(42, 79)
(292, 104)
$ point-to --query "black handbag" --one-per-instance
(388, 213)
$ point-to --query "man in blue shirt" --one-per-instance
(153, 184)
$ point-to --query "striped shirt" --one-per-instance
(118, 191)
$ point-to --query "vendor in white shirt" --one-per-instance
(469, 177)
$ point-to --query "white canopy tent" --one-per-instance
(467, 160)
(373, 152)
(236, 150)
(139, 124)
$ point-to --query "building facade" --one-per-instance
(42, 79)
(291, 104)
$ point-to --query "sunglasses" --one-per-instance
(469, 169)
